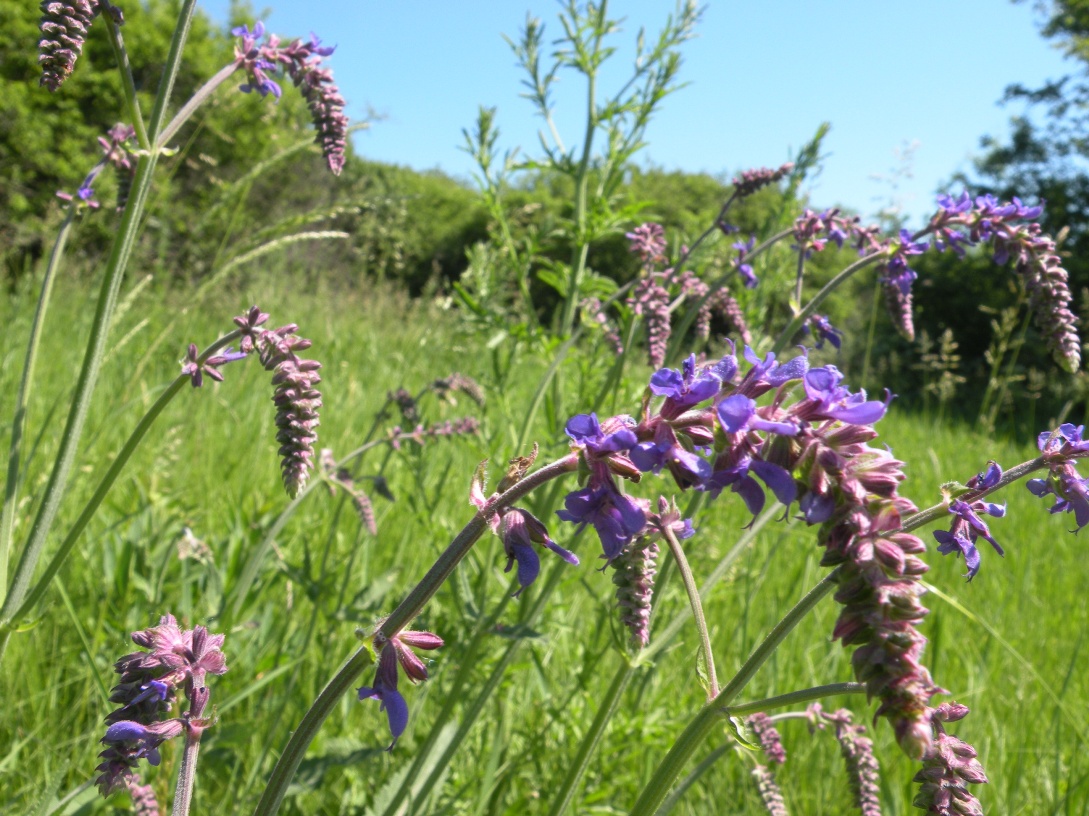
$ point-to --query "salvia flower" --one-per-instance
(149, 680)
(297, 401)
(768, 735)
(966, 528)
(725, 307)
(195, 370)
(616, 517)
(64, 26)
(948, 768)
(302, 62)
(741, 264)
(520, 531)
(1071, 491)
(393, 653)
(752, 180)
(648, 242)
(633, 574)
(823, 331)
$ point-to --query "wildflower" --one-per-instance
(616, 518)
(520, 530)
(144, 802)
(149, 680)
(752, 180)
(725, 307)
(648, 242)
(863, 771)
(195, 370)
(650, 300)
(967, 527)
(394, 652)
(743, 267)
(687, 387)
(608, 443)
(1063, 480)
(770, 794)
(634, 571)
(64, 26)
(829, 400)
(823, 330)
(768, 735)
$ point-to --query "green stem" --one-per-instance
(582, 181)
(18, 422)
(96, 344)
(127, 85)
(796, 323)
(198, 99)
(697, 609)
(702, 724)
(606, 710)
(794, 698)
(411, 606)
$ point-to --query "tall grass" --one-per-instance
(1009, 644)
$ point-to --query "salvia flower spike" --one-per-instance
(302, 63)
(175, 659)
(64, 26)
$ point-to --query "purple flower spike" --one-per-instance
(385, 691)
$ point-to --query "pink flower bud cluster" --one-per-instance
(175, 659)
(64, 26)
(444, 388)
(768, 735)
(295, 396)
(446, 428)
(770, 794)
(948, 768)
(752, 180)
(863, 770)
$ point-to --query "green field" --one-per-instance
(1010, 644)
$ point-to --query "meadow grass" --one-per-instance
(1009, 644)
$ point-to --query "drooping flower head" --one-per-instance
(394, 653)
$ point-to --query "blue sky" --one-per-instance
(908, 85)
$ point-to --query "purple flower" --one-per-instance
(768, 735)
(830, 400)
(823, 330)
(960, 204)
(585, 430)
(737, 478)
(519, 530)
(748, 277)
(1063, 481)
(967, 527)
(687, 468)
(385, 691)
(616, 518)
(688, 387)
(737, 413)
(988, 478)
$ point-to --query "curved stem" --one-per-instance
(127, 84)
(400, 617)
(701, 725)
(796, 323)
(697, 608)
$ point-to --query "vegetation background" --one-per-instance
(379, 301)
